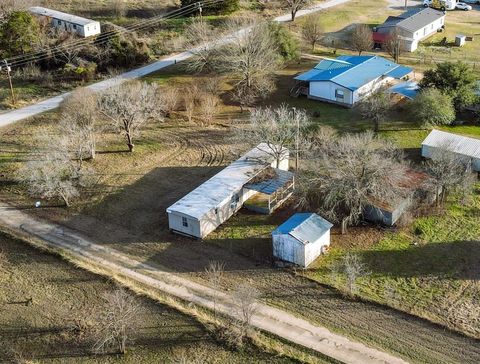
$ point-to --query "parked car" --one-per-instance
(440, 4)
(463, 6)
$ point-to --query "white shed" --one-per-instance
(201, 211)
(301, 239)
(67, 22)
(467, 149)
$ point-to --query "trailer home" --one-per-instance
(215, 201)
(70, 23)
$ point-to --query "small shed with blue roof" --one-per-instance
(346, 80)
(301, 239)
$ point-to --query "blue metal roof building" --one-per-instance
(301, 239)
(353, 72)
(345, 80)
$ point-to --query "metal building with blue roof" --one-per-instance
(348, 79)
(301, 239)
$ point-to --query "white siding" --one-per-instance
(428, 151)
(370, 87)
(289, 249)
(326, 90)
(314, 250)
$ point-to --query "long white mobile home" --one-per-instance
(212, 203)
(70, 23)
(465, 148)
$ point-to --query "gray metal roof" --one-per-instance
(465, 146)
(271, 185)
(416, 20)
(220, 188)
(73, 19)
(305, 227)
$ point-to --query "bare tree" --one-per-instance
(362, 39)
(251, 57)
(449, 173)
(215, 271)
(117, 321)
(9, 6)
(353, 267)
(190, 93)
(375, 107)
(203, 40)
(168, 99)
(129, 106)
(295, 5)
(279, 129)
(119, 8)
(312, 30)
(78, 124)
(208, 106)
(50, 177)
(245, 300)
(343, 177)
(394, 45)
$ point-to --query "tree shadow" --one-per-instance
(457, 259)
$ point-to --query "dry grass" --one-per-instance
(172, 158)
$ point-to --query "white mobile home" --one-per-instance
(467, 149)
(301, 239)
(67, 22)
(346, 80)
(412, 26)
(212, 203)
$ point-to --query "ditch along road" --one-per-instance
(54, 102)
(266, 318)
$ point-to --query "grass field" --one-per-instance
(63, 295)
(172, 158)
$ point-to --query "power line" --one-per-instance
(138, 26)
(105, 37)
(52, 52)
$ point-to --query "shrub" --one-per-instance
(432, 107)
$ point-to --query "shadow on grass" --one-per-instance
(457, 259)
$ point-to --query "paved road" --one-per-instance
(266, 318)
(52, 103)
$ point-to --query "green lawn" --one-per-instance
(429, 269)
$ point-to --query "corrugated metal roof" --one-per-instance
(271, 185)
(466, 146)
(416, 20)
(356, 71)
(78, 20)
(408, 89)
(218, 189)
(305, 227)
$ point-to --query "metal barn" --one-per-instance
(201, 211)
(67, 22)
(301, 239)
(467, 149)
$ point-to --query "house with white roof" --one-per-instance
(301, 239)
(412, 26)
(346, 80)
(70, 23)
(201, 211)
(466, 148)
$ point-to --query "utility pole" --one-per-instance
(8, 70)
(297, 137)
(200, 10)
